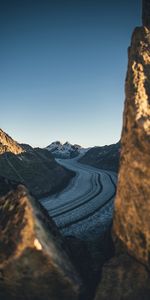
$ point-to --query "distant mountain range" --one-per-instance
(37, 169)
(34, 167)
(66, 150)
(106, 157)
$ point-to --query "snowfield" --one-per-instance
(85, 208)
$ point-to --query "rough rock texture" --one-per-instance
(33, 263)
(127, 277)
(7, 144)
(132, 205)
(123, 278)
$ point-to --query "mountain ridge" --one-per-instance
(35, 168)
(7, 144)
(66, 150)
(105, 157)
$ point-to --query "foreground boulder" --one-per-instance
(33, 261)
(132, 205)
(126, 276)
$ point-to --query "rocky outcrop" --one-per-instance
(7, 144)
(106, 157)
(33, 259)
(33, 262)
(132, 205)
(126, 276)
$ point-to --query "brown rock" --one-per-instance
(33, 262)
(124, 279)
(146, 13)
(132, 205)
(7, 144)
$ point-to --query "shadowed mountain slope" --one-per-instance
(106, 157)
(35, 168)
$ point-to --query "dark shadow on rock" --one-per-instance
(89, 257)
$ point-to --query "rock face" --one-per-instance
(33, 263)
(132, 205)
(124, 277)
(7, 144)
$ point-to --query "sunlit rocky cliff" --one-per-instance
(126, 275)
(7, 144)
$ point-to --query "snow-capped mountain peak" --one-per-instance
(65, 150)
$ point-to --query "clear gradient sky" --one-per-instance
(62, 69)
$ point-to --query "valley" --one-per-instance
(84, 209)
(74, 210)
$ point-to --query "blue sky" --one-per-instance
(62, 69)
